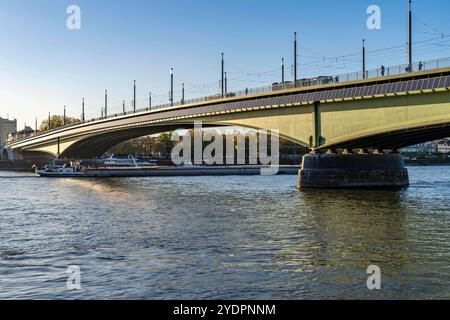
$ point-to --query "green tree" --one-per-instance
(147, 144)
(56, 121)
(164, 144)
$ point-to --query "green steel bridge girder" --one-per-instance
(383, 121)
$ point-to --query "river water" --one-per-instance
(235, 237)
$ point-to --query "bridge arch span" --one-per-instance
(96, 145)
(395, 139)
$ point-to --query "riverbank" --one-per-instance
(17, 165)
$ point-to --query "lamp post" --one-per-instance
(223, 76)
(134, 97)
(106, 103)
(226, 84)
(410, 55)
(364, 58)
(171, 86)
(182, 93)
(295, 59)
(82, 111)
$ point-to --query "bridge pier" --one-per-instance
(335, 171)
(7, 154)
(22, 160)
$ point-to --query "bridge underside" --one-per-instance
(97, 145)
(396, 139)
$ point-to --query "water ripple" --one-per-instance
(222, 238)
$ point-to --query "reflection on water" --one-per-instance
(223, 237)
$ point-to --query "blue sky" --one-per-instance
(44, 66)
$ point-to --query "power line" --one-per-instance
(439, 32)
(322, 65)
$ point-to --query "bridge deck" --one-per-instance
(415, 82)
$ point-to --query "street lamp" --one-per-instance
(295, 59)
(82, 111)
(223, 76)
(364, 58)
(106, 103)
(410, 37)
(171, 86)
(182, 94)
(134, 97)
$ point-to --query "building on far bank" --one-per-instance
(444, 146)
(427, 147)
(25, 133)
(6, 127)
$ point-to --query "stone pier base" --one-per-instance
(353, 171)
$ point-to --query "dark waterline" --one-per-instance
(249, 237)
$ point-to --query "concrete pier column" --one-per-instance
(335, 171)
(7, 155)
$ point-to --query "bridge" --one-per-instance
(375, 111)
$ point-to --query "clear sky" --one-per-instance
(44, 65)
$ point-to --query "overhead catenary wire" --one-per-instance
(315, 64)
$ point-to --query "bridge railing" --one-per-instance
(346, 77)
(301, 83)
(394, 70)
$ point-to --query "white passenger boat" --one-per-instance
(56, 170)
(128, 161)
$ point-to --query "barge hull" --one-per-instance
(161, 172)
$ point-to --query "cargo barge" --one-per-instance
(131, 167)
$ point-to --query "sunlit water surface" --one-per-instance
(239, 237)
